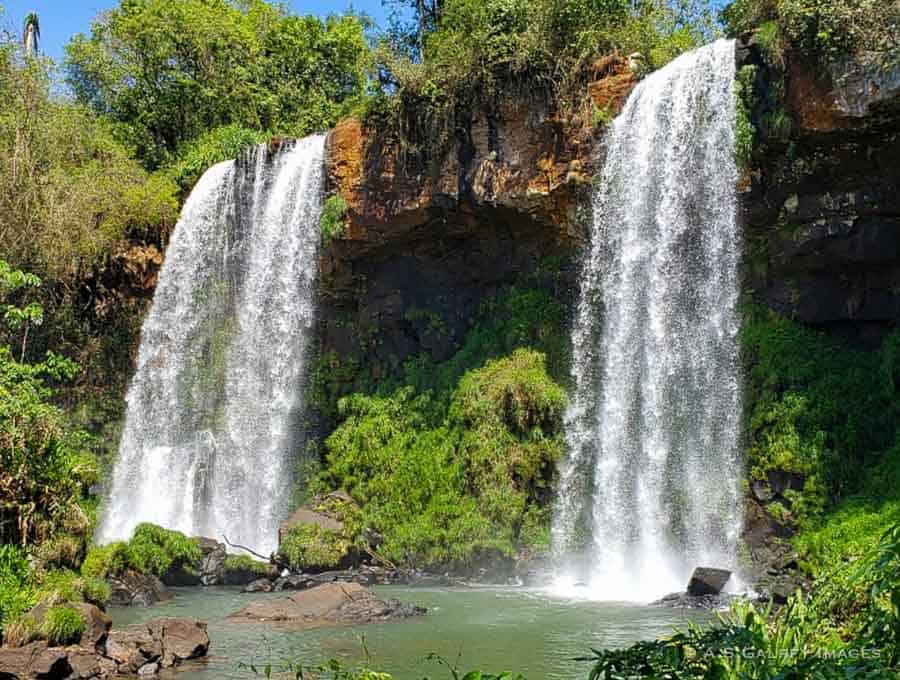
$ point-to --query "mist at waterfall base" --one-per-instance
(212, 419)
(649, 488)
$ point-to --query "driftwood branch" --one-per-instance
(270, 558)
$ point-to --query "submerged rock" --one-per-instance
(329, 604)
(707, 581)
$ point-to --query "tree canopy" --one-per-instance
(167, 72)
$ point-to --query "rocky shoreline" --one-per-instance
(142, 650)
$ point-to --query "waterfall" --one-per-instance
(211, 428)
(650, 484)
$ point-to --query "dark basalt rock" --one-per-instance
(707, 581)
(687, 601)
(260, 585)
(140, 590)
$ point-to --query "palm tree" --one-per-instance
(31, 34)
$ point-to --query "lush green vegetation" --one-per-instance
(446, 486)
(826, 30)
(463, 53)
(167, 72)
(151, 550)
(331, 222)
(310, 547)
(454, 461)
(817, 409)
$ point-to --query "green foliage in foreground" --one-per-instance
(44, 470)
(151, 550)
(818, 408)
(470, 484)
(848, 628)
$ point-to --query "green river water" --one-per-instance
(493, 629)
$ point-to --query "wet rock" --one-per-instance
(133, 647)
(166, 642)
(292, 582)
(260, 585)
(85, 663)
(139, 590)
(97, 626)
(327, 605)
(32, 660)
(212, 565)
(686, 601)
(148, 669)
(707, 581)
(182, 639)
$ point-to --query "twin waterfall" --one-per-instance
(211, 428)
(650, 485)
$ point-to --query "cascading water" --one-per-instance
(212, 418)
(651, 477)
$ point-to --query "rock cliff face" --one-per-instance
(822, 213)
(427, 240)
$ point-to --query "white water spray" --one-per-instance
(213, 410)
(650, 485)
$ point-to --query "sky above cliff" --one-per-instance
(61, 19)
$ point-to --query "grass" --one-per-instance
(62, 626)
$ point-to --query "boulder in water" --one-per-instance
(140, 590)
(329, 604)
(707, 581)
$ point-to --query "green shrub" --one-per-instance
(309, 546)
(826, 30)
(331, 222)
(62, 626)
(449, 488)
(61, 551)
(154, 550)
(103, 561)
(245, 563)
(151, 550)
(96, 591)
(214, 146)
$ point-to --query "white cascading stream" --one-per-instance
(211, 428)
(649, 487)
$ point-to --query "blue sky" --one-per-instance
(61, 19)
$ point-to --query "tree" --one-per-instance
(170, 71)
(31, 34)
